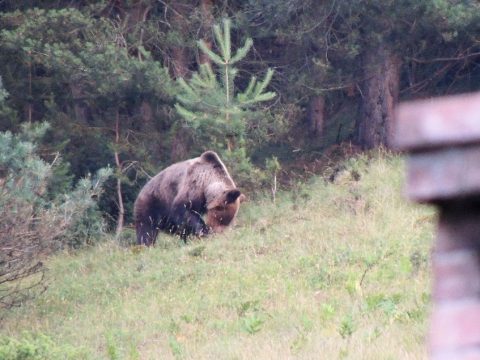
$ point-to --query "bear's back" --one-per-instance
(167, 183)
(189, 180)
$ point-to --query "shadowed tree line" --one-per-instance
(126, 83)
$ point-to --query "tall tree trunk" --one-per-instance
(379, 91)
(29, 105)
(80, 108)
(121, 208)
(316, 115)
(136, 16)
(180, 55)
(179, 68)
(136, 13)
(180, 146)
(206, 9)
(179, 62)
(133, 13)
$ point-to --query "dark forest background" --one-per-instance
(109, 76)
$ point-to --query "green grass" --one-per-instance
(331, 271)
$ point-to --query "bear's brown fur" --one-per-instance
(176, 198)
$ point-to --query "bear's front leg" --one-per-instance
(146, 231)
(195, 224)
(189, 222)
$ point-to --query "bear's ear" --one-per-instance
(211, 157)
(232, 195)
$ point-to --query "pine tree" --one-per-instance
(209, 101)
(34, 223)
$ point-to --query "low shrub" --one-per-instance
(34, 222)
(37, 347)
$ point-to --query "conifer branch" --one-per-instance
(185, 87)
(227, 44)
(243, 51)
(212, 56)
(219, 37)
(260, 87)
(249, 90)
(186, 114)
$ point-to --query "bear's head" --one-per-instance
(222, 211)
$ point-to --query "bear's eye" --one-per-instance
(218, 208)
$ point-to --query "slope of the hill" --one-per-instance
(331, 270)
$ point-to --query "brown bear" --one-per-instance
(176, 198)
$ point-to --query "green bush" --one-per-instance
(37, 347)
(86, 222)
(34, 222)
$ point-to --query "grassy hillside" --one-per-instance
(331, 271)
